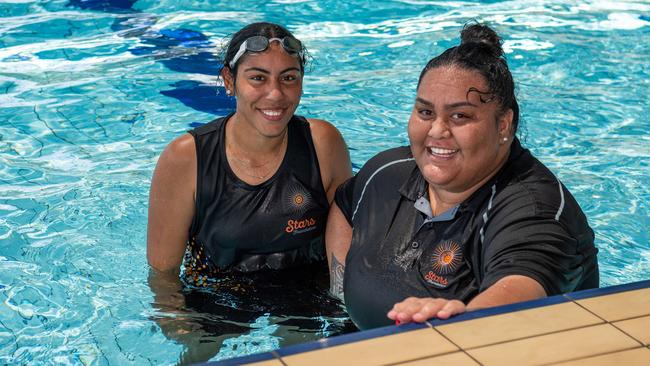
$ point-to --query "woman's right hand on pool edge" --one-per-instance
(415, 309)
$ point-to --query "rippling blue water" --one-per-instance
(91, 92)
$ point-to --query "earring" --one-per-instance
(505, 139)
(228, 92)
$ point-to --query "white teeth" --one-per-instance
(441, 151)
(271, 113)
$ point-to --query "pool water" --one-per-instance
(91, 91)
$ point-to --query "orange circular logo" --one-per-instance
(298, 199)
(446, 258)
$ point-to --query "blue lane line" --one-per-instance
(117, 6)
(180, 50)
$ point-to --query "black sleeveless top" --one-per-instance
(243, 228)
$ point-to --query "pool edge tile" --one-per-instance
(349, 338)
(636, 328)
(520, 324)
(554, 348)
(607, 358)
(498, 310)
(390, 349)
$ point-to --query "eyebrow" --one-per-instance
(259, 69)
(448, 106)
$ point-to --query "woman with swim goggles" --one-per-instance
(249, 193)
(260, 43)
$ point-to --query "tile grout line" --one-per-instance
(520, 338)
(633, 318)
(612, 323)
(534, 336)
(459, 347)
(624, 332)
(587, 309)
(592, 355)
(418, 358)
(421, 358)
(278, 357)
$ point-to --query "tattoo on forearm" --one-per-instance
(336, 278)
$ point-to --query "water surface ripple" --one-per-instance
(89, 97)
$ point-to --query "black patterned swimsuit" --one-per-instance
(238, 227)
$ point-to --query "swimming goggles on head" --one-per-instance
(260, 43)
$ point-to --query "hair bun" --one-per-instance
(481, 34)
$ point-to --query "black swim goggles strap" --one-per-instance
(260, 43)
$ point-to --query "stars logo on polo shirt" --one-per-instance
(446, 257)
(445, 260)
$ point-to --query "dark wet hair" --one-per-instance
(268, 30)
(480, 50)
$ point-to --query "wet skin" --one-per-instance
(456, 139)
(268, 87)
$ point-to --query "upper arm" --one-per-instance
(332, 153)
(508, 290)
(338, 235)
(171, 204)
(522, 239)
(539, 249)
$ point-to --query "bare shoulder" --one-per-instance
(177, 165)
(180, 153)
(182, 146)
(332, 154)
(327, 139)
(323, 130)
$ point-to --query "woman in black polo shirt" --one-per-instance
(463, 218)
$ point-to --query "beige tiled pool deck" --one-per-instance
(609, 326)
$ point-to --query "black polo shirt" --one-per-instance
(521, 222)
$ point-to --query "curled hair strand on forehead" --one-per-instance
(480, 51)
(491, 96)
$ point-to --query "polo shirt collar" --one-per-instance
(414, 189)
(424, 206)
(415, 186)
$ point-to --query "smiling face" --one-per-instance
(268, 89)
(456, 139)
